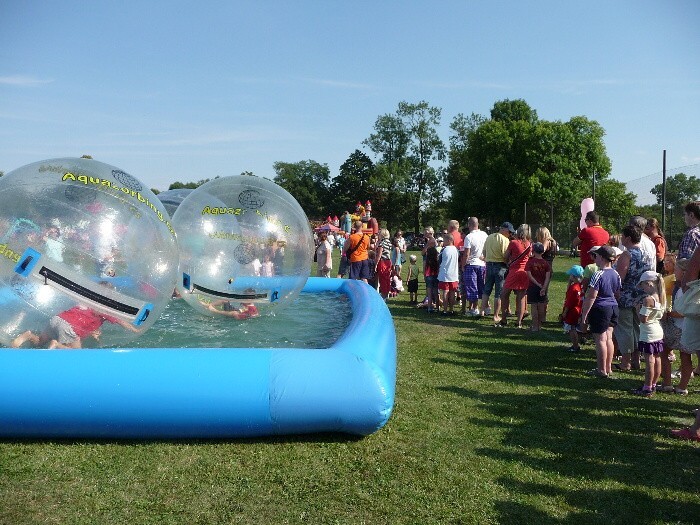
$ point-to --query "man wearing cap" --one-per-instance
(495, 248)
(592, 235)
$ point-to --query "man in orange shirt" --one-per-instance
(357, 253)
(592, 235)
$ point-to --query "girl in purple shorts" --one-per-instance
(651, 335)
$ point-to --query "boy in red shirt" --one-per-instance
(539, 273)
(571, 313)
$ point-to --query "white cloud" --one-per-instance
(22, 80)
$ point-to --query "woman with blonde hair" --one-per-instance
(550, 245)
(516, 280)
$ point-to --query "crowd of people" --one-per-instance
(622, 295)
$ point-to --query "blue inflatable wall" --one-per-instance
(169, 393)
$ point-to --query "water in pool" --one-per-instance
(313, 320)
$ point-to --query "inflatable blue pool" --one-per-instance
(175, 393)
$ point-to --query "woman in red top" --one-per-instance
(516, 281)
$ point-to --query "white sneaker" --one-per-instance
(474, 313)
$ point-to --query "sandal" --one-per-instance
(685, 434)
(618, 367)
(666, 389)
(641, 391)
(597, 373)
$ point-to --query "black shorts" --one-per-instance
(413, 286)
(534, 297)
(600, 318)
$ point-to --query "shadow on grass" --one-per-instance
(593, 506)
(555, 419)
(324, 438)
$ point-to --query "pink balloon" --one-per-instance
(586, 206)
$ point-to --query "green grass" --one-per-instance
(490, 426)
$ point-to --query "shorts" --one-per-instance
(627, 332)
(655, 348)
(449, 286)
(413, 286)
(62, 331)
(600, 318)
(431, 281)
(359, 270)
(473, 282)
(534, 297)
(495, 275)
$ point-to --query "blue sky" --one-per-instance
(189, 90)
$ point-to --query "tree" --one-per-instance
(680, 190)
(188, 185)
(426, 182)
(407, 143)
(308, 182)
(614, 204)
(512, 162)
(354, 183)
(390, 141)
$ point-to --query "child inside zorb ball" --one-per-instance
(87, 255)
(245, 247)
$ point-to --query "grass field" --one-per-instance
(491, 425)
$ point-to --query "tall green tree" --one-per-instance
(390, 142)
(511, 162)
(309, 183)
(354, 183)
(680, 190)
(426, 184)
(615, 204)
(408, 145)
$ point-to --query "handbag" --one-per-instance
(688, 305)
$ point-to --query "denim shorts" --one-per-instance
(431, 281)
(495, 275)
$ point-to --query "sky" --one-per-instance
(181, 91)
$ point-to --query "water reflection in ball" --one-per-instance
(83, 237)
(245, 247)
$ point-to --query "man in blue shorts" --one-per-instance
(358, 243)
(494, 251)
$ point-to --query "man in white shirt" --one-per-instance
(473, 267)
(448, 276)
